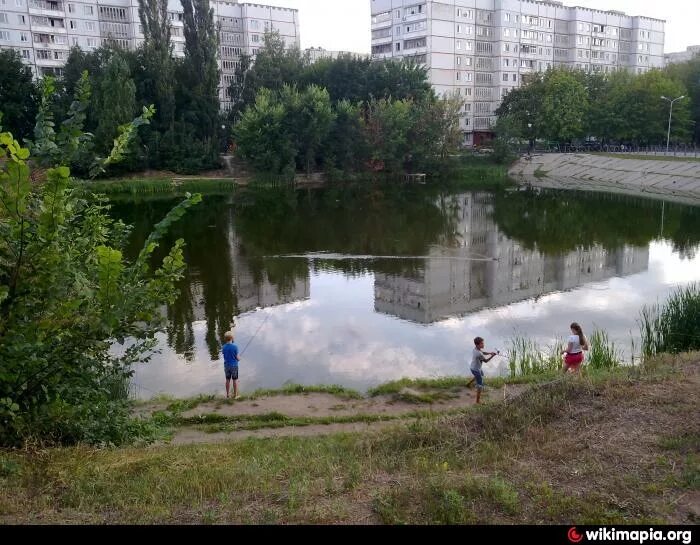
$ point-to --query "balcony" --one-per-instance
(45, 7)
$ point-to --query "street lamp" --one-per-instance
(670, 115)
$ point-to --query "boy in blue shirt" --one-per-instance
(231, 360)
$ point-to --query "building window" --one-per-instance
(23, 37)
(4, 36)
(87, 10)
(74, 42)
(26, 54)
(398, 46)
(73, 25)
(71, 8)
(92, 42)
(515, 77)
(89, 25)
(18, 3)
(21, 19)
(3, 17)
(505, 77)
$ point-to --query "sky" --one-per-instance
(345, 25)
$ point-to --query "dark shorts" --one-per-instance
(479, 376)
(231, 373)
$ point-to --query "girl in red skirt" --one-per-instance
(577, 343)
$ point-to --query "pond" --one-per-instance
(362, 285)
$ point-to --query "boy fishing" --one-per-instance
(479, 357)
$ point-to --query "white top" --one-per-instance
(478, 359)
(575, 345)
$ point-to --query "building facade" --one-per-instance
(482, 49)
(683, 56)
(44, 31)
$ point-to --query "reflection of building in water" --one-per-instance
(487, 269)
(255, 288)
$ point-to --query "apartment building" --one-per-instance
(43, 31)
(482, 49)
(683, 56)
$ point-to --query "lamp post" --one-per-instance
(670, 116)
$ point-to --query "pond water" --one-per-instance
(359, 286)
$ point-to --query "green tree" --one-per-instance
(66, 296)
(308, 120)
(345, 146)
(275, 65)
(563, 107)
(200, 83)
(158, 61)
(262, 135)
(688, 73)
(116, 102)
(387, 127)
(19, 96)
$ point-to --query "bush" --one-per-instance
(67, 296)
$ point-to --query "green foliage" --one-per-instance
(116, 102)
(526, 357)
(121, 144)
(564, 105)
(603, 354)
(674, 326)
(19, 96)
(688, 74)
(66, 296)
(294, 128)
(556, 222)
(348, 77)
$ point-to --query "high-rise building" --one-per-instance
(482, 49)
(683, 56)
(43, 31)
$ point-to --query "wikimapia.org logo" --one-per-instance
(637, 536)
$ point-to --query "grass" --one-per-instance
(295, 389)
(640, 157)
(603, 354)
(158, 185)
(215, 423)
(613, 447)
(397, 386)
(526, 357)
(540, 173)
(674, 326)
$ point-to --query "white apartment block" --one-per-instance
(482, 49)
(43, 31)
(683, 56)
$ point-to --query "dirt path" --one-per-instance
(387, 410)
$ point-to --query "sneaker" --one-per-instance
(236, 397)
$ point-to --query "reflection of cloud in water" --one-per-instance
(338, 338)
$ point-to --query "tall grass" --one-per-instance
(673, 327)
(526, 357)
(603, 353)
(136, 187)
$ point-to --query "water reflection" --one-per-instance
(488, 269)
(453, 266)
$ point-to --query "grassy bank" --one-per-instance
(157, 185)
(616, 446)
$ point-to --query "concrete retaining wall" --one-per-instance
(673, 180)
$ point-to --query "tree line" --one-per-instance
(343, 115)
(618, 107)
(184, 134)
(347, 114)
